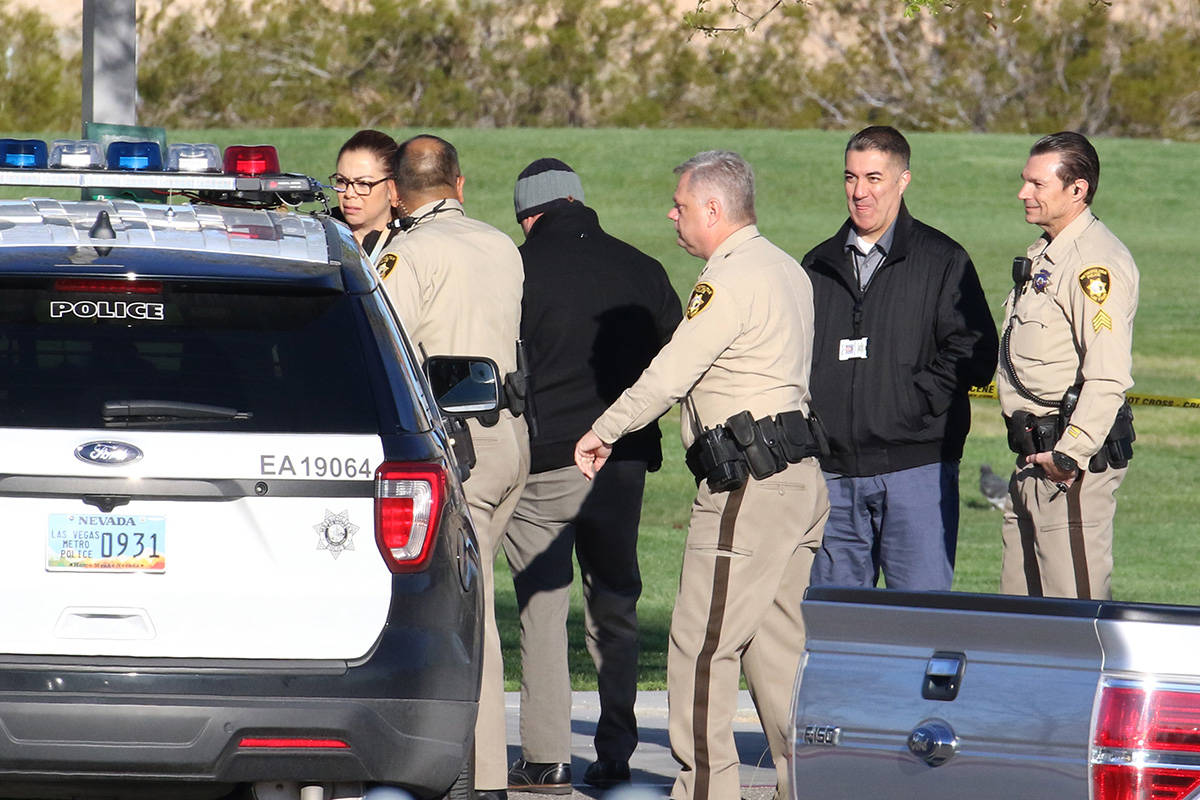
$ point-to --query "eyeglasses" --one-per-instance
(362, 188)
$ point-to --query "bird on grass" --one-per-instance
(992, 486)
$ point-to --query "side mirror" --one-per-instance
(464, 385)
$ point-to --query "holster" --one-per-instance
(764, 457)
(1117, 449)
(1029, 434)
(715, 457)
(516, 389)
(462, 445)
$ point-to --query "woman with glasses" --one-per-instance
(366, 193)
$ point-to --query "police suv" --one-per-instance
(235, 558)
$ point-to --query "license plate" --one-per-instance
(106, 543)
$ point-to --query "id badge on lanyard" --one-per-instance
(852, 348)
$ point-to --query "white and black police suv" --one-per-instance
(235, 557)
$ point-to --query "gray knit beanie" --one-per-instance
(544, 184)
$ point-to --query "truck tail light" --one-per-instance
(408, 501)
(1145, 741)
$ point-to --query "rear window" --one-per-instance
(252, 358)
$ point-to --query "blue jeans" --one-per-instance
(903, 524)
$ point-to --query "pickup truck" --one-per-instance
(945, 695)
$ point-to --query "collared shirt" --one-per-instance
(745, 343)
(866, 256)
(456, 285)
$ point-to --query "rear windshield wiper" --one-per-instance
(150, 413)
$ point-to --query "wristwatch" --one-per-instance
(1064, 462)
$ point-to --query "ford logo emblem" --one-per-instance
(110, 454)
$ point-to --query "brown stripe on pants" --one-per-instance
(1056, 544)
(745, 569)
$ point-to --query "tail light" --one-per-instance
(1146, 742)
(408, 501)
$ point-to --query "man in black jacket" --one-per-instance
(595, 311)
(902, 332)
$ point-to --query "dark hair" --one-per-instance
(1076, 159)
(421, 168)
(883, 138)
(375, 142)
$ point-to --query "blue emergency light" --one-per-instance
(135, 156)
(23, 153)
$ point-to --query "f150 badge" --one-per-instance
(828, 735)
(335, 533)
(109, 454)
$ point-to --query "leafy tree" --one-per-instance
(40, 86)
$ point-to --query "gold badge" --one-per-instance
(1101, 320)
(1073, 432)
(699, 299)
(1095, 283)
(386, 265)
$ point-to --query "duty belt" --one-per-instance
(743, 446)
(1029, 434)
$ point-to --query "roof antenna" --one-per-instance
(102, 229)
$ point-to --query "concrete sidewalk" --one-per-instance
(652, 767)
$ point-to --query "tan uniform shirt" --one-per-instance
(456, 284)
(1072, 324)
(745, 343)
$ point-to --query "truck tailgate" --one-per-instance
(996, 691)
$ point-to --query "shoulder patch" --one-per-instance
(699, 300)
(386, 265)
(1095, 282)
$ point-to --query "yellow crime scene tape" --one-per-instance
(1134, 399)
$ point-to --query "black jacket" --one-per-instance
(595, 312)
(930, 336)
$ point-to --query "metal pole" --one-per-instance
(110, 61)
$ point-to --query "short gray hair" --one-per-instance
(728, 176)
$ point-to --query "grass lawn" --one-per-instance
(964, 184)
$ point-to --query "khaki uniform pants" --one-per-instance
(1059, 544)
(502, 464)
(561, 514)
(745, 569)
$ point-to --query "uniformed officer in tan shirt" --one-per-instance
(745, 344)
(456, 284)
(1069, 323)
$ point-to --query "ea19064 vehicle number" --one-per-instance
(314, 466)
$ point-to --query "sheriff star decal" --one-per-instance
(386, 265)
(1095, 283)
(335, 533)
(700, 298)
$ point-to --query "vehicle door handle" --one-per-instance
(943, 675)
